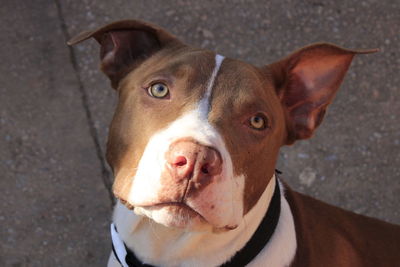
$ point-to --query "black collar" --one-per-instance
(244, 256)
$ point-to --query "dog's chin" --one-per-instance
(175, 215)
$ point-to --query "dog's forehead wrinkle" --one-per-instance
(172, 62)
(195, 61)
(240, 87)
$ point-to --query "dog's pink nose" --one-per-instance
(187, 159)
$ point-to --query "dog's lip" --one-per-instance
(166, 204)
(176, 204)
(125, 203)
(161, 205)
(191, 210)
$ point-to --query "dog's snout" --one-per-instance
(188, 159)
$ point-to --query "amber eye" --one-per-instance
(158, 90)
(258, 122)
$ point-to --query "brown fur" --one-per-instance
(240, 91)
(330, 236)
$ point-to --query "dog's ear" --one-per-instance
(125, 44)
(306, 83)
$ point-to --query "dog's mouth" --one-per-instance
(180, 207)
(172, 214)
(176, 214)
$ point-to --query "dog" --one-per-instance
(193, 146)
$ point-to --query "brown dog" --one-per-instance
(193, 146)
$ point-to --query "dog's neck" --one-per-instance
(156, 244)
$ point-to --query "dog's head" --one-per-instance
(195, 136)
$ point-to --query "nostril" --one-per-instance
(211, 163)
(180, 161)
(204, 169)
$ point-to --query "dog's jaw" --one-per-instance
(166, 246)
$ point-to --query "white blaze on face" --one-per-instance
(204, 105)
(225, 193)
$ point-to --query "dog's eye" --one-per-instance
(258, 122)
(158, 90)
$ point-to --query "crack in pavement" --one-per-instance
(105, 174)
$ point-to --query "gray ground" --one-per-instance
(55, 108)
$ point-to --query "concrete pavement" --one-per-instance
(55, 108)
